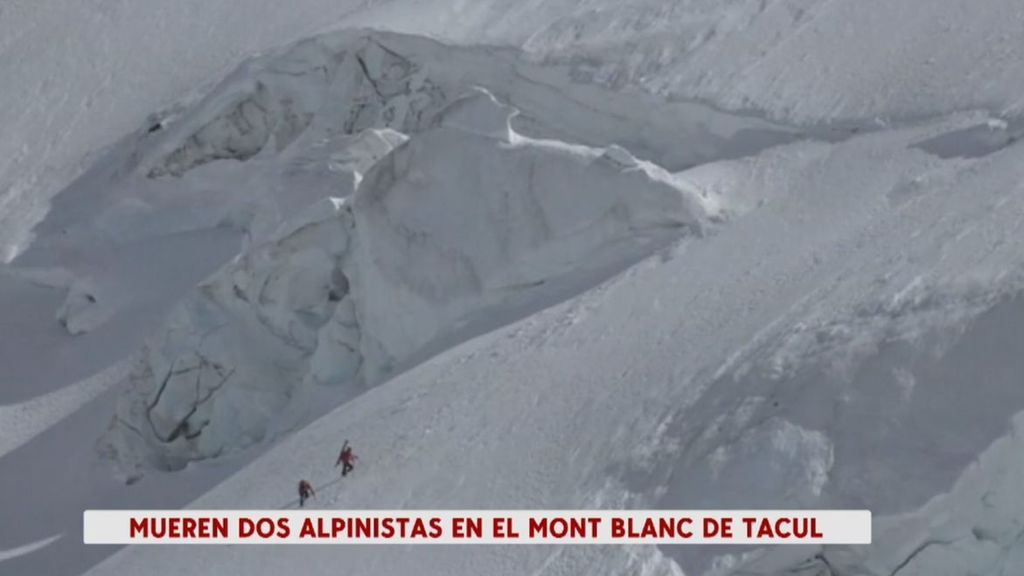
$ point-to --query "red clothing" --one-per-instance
(346, 459)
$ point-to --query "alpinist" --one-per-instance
(305, 492)
(346, 458)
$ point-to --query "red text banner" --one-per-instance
(477, 527)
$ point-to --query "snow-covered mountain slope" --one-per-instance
(116, 61)
(306, 122)
(794, 358)
(464, 225)
(799, 60)
(844, 332)
(163, 208)
(80, 75)
(161, 185)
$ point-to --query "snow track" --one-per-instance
(19, 423)
(28, 548)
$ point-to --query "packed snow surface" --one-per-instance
(538, 254)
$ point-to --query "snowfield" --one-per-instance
(828, 373)
(544, 254)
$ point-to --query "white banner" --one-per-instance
(477, 527)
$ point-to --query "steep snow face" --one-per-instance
(537, 220)
(831, 329)
(466, 225)
(178, 198)
(471, 213)
(172, 201)
(791, 359)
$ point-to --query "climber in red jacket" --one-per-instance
(347, 459)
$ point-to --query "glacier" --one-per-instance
(850, 393)
(545, 254)
(465, 222)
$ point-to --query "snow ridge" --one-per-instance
(466, 221)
